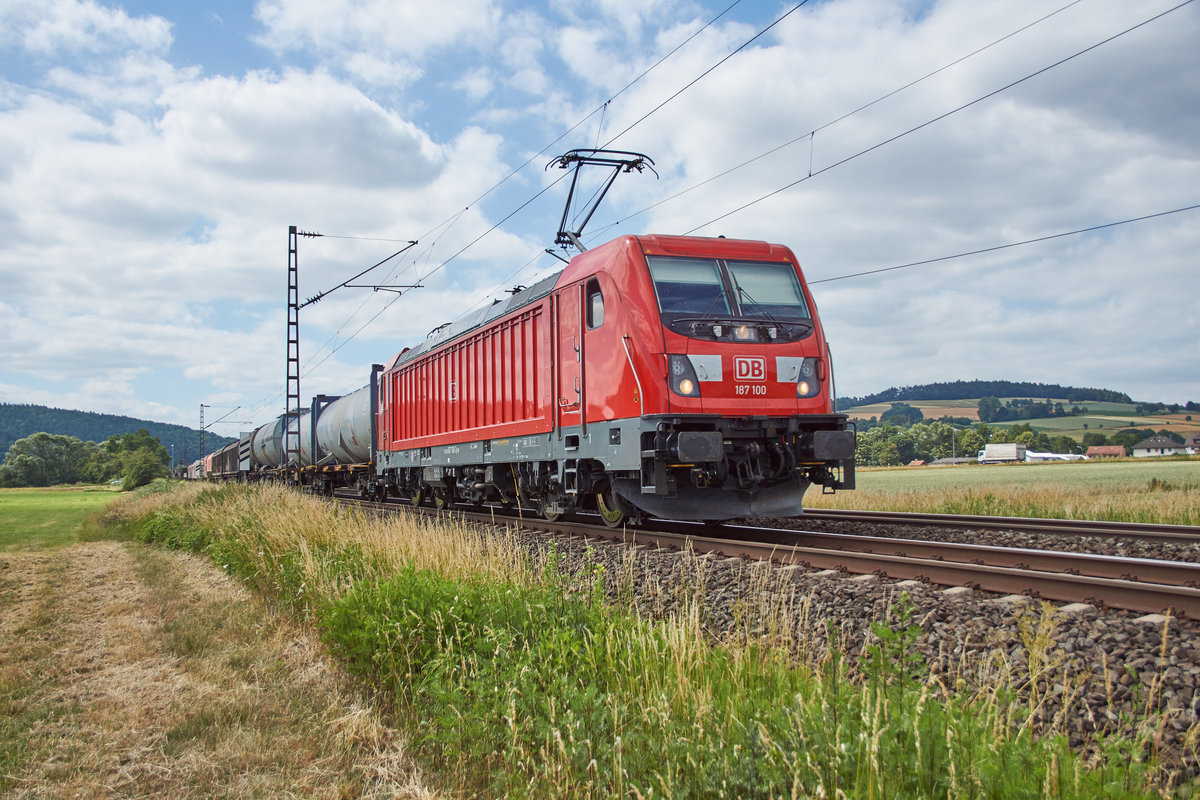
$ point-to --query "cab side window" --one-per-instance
(595, 305)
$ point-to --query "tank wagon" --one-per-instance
(667, 376)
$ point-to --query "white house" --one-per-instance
(1158, 446)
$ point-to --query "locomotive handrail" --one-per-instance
(636, 379)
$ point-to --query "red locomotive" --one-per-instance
(671, 376)
(668, 376)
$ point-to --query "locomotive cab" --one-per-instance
(741, 421)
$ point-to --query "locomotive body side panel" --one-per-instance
(492, 383)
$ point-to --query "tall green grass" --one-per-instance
(518, 682)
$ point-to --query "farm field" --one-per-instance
(1106, 418)
(1165, 491)
(932, 409)
(36, 518)
(1074, 426)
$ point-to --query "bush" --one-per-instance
(140, 468)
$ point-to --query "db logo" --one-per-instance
(749, 368)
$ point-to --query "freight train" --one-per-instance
(666, 376)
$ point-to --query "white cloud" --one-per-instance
(476, 84)
(56, 27)
(342, 31)
(132, 82)
(301, 127)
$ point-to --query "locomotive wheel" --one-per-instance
(547, 514)
(610, 511)
(442, 499)
(420, 496)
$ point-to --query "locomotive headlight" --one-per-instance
(808, 384)
(745, 333)
(682, 376)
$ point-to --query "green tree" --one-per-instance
(990, 409)
(1128, 438)
(132, 442)
(45, 459)
(887, 454)
(901, 414)
(883, 446)
(970, 442)
(1063, 444)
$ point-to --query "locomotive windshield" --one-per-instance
(707, 288)
(767, 290)
(688, 285)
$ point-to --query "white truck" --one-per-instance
(999, 453)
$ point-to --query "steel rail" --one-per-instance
(1114, 592)
(1066, 527)
(1183, 573)
(1159, 586)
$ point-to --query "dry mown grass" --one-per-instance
(136, 672)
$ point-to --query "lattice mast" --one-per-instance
(291, 413)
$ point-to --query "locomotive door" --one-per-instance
(569, 355)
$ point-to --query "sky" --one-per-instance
(154, 154)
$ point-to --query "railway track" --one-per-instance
(1119, 582)
(1061, 527)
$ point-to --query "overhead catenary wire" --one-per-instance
(995, 248)
(812, 173)
(435, 269)
(645, 116)
(809, 136)
(706, 72)
(911, 264)
(603, 106)
(825, 169)
(449, 221)
(940, 117)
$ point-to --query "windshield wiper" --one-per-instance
(743, 293)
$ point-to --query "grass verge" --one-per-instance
(511, 681)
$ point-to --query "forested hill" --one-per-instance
(970, 390)
(19, 421)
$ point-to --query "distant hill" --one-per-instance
(19, 421)
(969, 390)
